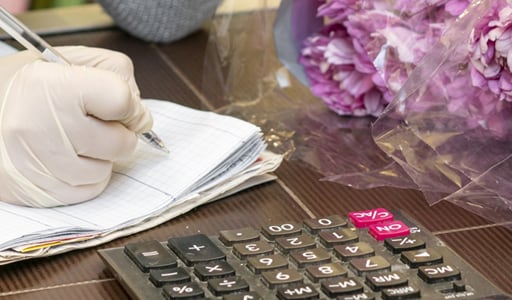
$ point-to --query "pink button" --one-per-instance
(387, 230)
(365, 218)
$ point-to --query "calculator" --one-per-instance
(370, 254)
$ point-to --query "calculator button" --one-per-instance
(150, 254)
(341, 286)
(243, 296)
(401, 293)
(287, 244)
(337, 237)
(243, 251)
(377, 282)
(459, 286)
(183, 291)
(406, 243)
(297, 292)
(274, 231)
(439, 273)
(331, 222)
(242, 235)
(222, 286)
(195, 248)
(260, 264)
(365, 218)
(213, 269)
(310, 256)
(350, 251)
(281, 277)
(389, 229)
(330, 270)
(370, 264)
(159, 277)
(323, 258)
(422, 257)
(359, 296)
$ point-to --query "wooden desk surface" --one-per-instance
(174, 72)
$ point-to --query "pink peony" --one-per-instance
(491, 51)
(340, 74)
(364, 55)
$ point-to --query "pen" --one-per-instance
(30, 40)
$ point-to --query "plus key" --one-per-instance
(196, 248)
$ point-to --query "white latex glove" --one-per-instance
(63, 126)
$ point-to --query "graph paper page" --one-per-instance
(147, 183)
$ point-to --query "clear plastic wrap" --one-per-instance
(442, 128)
(453, 137)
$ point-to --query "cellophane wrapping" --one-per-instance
(422, 100)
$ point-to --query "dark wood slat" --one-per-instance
(323, 196)
(489, 251)
(79, 291)
(154, 77)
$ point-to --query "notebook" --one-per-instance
(211, 156)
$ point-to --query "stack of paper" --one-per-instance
(211, 156)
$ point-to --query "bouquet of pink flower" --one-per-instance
(437, 74)
(432, 77)
(365, 52)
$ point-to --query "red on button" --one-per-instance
(388, 230)
(365, 218)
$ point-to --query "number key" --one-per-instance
(331, 222)
(310, 256)
(329, 270)
(281, 277)
(348, 252)
(267, 263)
(287, 244)
(338, 237)
(274, 231)
(252, 249)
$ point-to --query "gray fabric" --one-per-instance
(160, 20)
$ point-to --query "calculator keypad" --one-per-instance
(370, 254)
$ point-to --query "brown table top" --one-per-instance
(174, 72)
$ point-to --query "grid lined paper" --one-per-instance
(151, 181)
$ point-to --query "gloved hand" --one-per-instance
(63, 126)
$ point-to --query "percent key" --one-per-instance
(183, 291)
